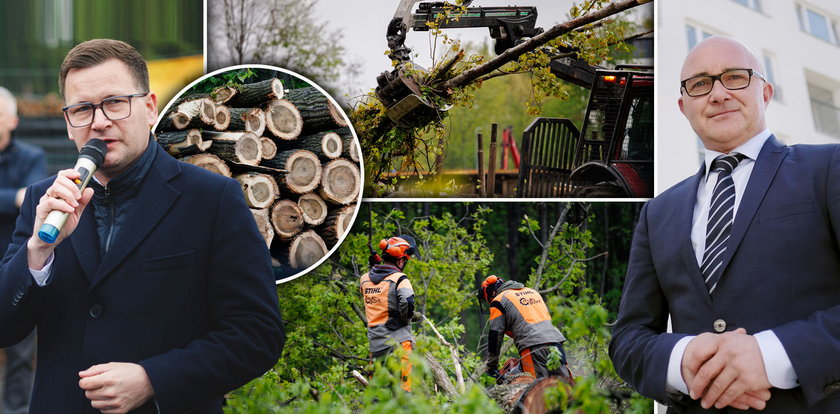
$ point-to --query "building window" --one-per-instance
(817, 24)
(825, 110)
(753, 4)
(770, 74)
(695, 35)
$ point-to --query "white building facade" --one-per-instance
(798, 42)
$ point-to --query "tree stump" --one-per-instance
(286, 219)
(209, 162)
(303, 170)
(314, 208)
(340, 182)
(317, 111)
(260, 190)
(264, 224)
(184, 142)
(238, 147)
(283, 120)
(258, 93)
(336, 223)
(302, 251)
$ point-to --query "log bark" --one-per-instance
(209, 162)
(190, 113)
(223, 94)
(326, 145)
(247, 119)
(337, 223)
(303, 170)
(261, 216)
(302, 251)
(286, 219)
(181, 143)
(260, 190)
(340, 182)
(283, 120)
(258, 93)
(439, 373)
(314, 208)
(269, 148)
(350, 145)
(238, 147)
(316, 109)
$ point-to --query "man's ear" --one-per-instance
(680, 104)
(767, 93)
(151, 109)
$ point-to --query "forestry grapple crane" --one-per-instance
(400, 92)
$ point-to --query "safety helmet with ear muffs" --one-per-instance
(397, 247)
(490, 286)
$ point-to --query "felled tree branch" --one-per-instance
(459, 375)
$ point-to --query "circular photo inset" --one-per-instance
(289, 145)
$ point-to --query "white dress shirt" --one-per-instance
(779, 369)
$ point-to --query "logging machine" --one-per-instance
(400, 92)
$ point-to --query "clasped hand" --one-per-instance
(726, 370)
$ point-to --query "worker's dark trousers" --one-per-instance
(535, 361)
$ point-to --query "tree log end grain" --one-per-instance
(180, 120)
(221, 118)
(306, 249)
(260, 190)
(223, 94)
(238, 147)
(336, 114)
(209, 162)
(261, 217)
(314, 208)
(180, 143)
(269, 148)
(255, 121)
(331, 145)
(283, 119)
(303, 170)
(340, 182)
(287, 219)
(337, 223)
(207, 111)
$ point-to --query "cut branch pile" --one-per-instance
(291, 151)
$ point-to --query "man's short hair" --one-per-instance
(97, 51)
(9, 99)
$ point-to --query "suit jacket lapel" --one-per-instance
(85, 243)
(766, 166)
(686, 216)
(152, 203)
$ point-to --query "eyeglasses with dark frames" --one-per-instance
(114, 108)
(734, 79)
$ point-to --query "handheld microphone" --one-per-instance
(91, 157)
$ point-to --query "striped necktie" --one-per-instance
(721, 217)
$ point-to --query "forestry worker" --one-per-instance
(158, 294)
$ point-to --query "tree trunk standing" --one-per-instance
(261, 216)
(286, 219)
(283, 119)
(318, 113)
(209, 162)
(244, 149)
(314, 208)
(260, 190)
(337, 222)
(302, 251)
(185, 142)
(303, 170)
(258, 93)
(340, 182)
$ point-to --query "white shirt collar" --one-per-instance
(751, 148)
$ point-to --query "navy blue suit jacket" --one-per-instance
(186, 290)
(781, 272)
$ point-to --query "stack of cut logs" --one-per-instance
(290, 150)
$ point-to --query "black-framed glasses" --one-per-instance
(731, 79)
(114, 108)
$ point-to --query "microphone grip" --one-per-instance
(55, 220)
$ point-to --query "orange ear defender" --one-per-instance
(489, 286)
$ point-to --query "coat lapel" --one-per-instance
(85, 243)
(686, 216)
(766, 166)
(152, 203)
